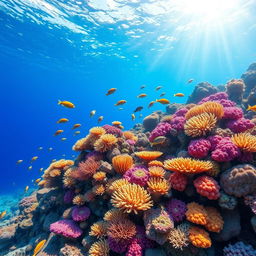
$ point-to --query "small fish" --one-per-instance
(58, 132)
(163, 101)
(143, 86)
(162, 94)
(120, 127)
(19, 161)
(50, 149)
(76, 133)
(2, 214)
(138, 109)
(30, 167)
(100, 119)
(158, 88)
(92, 113)
(62, 120)
(37, 180)
(151, 103)
(120, 108)
(110, 91)
(116, 123)
(120, 102)
(179, 94)
(251, 108)
(158, 140)
(39, 247)
(40, 148)
(190, 81)
(34, 158)
(142, 95)
(41, 169)
(66, 104)
(133, 117)
(63, 139)
(76, 126)
(26, 188)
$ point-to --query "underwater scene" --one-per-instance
(128, 127)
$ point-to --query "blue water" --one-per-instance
(77, 50)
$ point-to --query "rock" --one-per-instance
(41, 192)
(49, 219)
(106, 167)
(249, 78)
(253, 222)
(172, 108)
(112, 153)
(7, 235)
(151, 121)
(17, 252)
(155, 252)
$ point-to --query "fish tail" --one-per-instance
(59, 102)
(249, 107)
(173, 95)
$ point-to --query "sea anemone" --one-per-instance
(155, 163)
(214, 220)
(138, 175)
(131, 198)
(148, 155)
(199, 237)
(99, 176)
(121, 163)
(116, 184)
(187, 165)
(158, 186)
(130, 136)
(80, 213)
(99, 248)
(114, 215)
(79, 200)
(245, 141)
(200, 125)
(196, 213)
(97, 131)
(105, 143)
(98, 189)
(156, 171)
(178, 181)
(99, 229)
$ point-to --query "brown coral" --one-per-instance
(148, 155)
(245, 141)
(121, 163)
(158, 186)
(99, 229)
(196, 213)
(105, 143)
(79, 200)
(200, 125)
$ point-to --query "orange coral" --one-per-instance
(214, 220)
(200, 125)
(99, 229)
(188, 165)
(158, 186)
(121, 163)
(114, 215)
(83, 144)
(156, 171)
(245, 141)
(79, 200)
(196, 213)
(97, 131)
(99, 176)
(155, 163)
(131, 198)
(99, 248)
(98, 189)
(199, 237)
(130, 136)
(148, 155)
(61, 164)
(210, 107)
(115, 184)
(105, 143)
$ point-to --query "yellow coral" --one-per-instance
(121, 163)
(99, 176)
(116, 184)
(99, 248)
(97, 131)
(105, 143)
(83, 144)
(214, 220)
(199, 237)
(156, 171)
(158, 186)
(155, 163)
(79, 200)
(130, 136)
(114, 215)
(98, 189)
(245, 141)
(196, 213)
(99, 229)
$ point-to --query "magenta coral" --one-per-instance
(225, 151)
(214, 140)
(215, 97)
(226, 103)
(199, 148)
(232, 113)
(131, 142)
(66, 228)
(161, 130)
(181, 112)
(134, 248)
(177, 209)
(68, 196)
(178, 122)
(240, 125)
(138, 175)
(80, 213)
(112, 130)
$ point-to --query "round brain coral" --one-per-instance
(245, 141)
(208, 187)
(161, 129)
(196, 213)
(200, 125)
(148, 155)
(233, 113)
(80, 213)
(239, 181)
(187, 165)
(240, 125)
(99, 248)
(105, 143)
(158, 186)
(178, 181)
(138, 175)
(199, 148)
(121, 163)
(131, 198)
(199, 237)
(214, 220)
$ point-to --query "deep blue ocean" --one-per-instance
(77, 50)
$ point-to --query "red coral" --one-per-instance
(178, 181)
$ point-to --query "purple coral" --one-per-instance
(232, 113)
(239, 249)
(161, 130)
(131, 142)
(112, 130)
(68, 196)
(80, 213)
(214, 140)
(181, 112)
(225, 151)
(134, 248)
(95, 155)
(199, 148)
(138, 175)
(226, 103)
(240, 125)
(118, 246)
(177, 209)
(215, 97)
(178, 122)
(66, 228)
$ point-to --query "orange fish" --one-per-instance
(38, 247)
(34, 158)
(76, 126)
(151, 104)
(58, 132)
(2, 214)
(37, 180)
(120, 102)
(110, 91)
(116, 123)
(66, 104)
(62, 120)
(251, 108)
(179, 94)
(142, 95)
(163, 101)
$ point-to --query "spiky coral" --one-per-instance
(196, 213)
(130, 136)
(114, 215)
(158, 186)
(105, 143)
(155, 163)
(156, 171)
(98, 189)
(97, 131)
(99, 229)
(115, 184)
(200, 125)
(199, 237)
(187, 165)
(122, 163)
(178, 237)
(148, 155)
(99, 176)
(100, 248)
(79, 200)
(214, 220)
(131, 198)
(245, 141)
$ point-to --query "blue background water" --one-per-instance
(76, 51)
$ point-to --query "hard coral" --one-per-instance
(214, 220)
(196, 213)
(112, 130)
(100, 248)
(233, 113)
(178, 181)
(148, 155)
(177, 209)
(239, 249)
(215, 97)
(138, 175)
(240, 125)
(81, 213)
(161, 129)
(199, 237)
(155, 163)
(158, 186)
(156, 171)
(134, 248)
(199, 148)
(122, 163)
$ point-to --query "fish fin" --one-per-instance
(248, 108)
(173, 95)
(59, 102)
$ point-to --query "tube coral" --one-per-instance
(122, 163)
(245, 141)
(199, 237)
(158, 186)
(99, 229)
(196, 213)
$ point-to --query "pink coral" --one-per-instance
(226, 103)
(178, 181)
(240, 125)
(215, 97)
(199, 148)
(161, 130)
(138, 175)
(232, 113)
(225, 151)
(68, 196)
(178, 122)
(134, 248)
(177, 209)
(66, 228)
(181, 112)
(81, 213)
(112, 130)
(214, 140)
(131, 142)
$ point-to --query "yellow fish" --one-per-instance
(92, 113)
(251, 108)
(76, 126)
(120, 127)
(58, 132)
(116, 123)
(151, 103)
(179, 94)
(163, 101)
(37, 180)
(30, 167)
(142, 95)
(133, 117)
(100, 119)
(120, 102)
(66, 104)
(63, 139)
(158, 88)
(110, 91)
(26, 188)
(158, 140)
(2, 214)
(39, 247)
(62, 120)
(34, 158)
(19, 161)
(77, 132)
